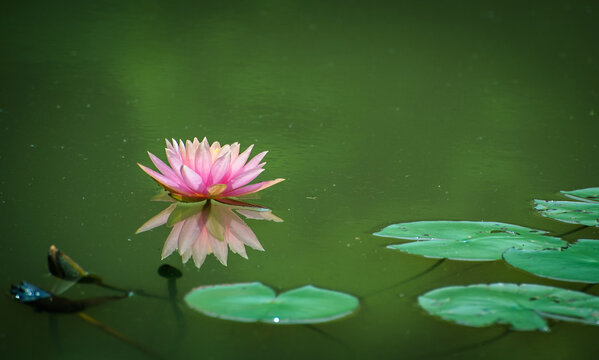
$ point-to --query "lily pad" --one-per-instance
(251, 302)
(467, 240)
(579, 262)
(588, 194)
(573, 212)
(524, 307)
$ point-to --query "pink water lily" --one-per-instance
(200, 171)
(211, 228)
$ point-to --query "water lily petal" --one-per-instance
(186, 256)
(220, 168)
(168, 144)
(214, 150)
(189, 233)
(157, 220)
(235, 244)
(174, 145)
(234, 151)
(255, 161)
(249, 189)
(191, 153)
(244, 178)
(237, 165)
(192, 179)
(162, 167)
(200, 249)
(259, 215)
(216, 189)
(203, 160)
(224, 149)
(183, 152)
(172, 241)
(166, 182)
(219, 249)
(243, 232)
(174, 160)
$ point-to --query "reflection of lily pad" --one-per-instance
(584, 213)
(249, 302)
(524, 307)
(588, 194)
(579, 262)
(467, 240)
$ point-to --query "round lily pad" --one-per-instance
(588, 194)
(524, 307)
(579, 262)
(573, 212)
(251, 302)
(467, 240)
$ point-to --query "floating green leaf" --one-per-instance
(588, 194)
(250, 302)
(524, 307)
(578, 262)
(585, 213)
(467, 240)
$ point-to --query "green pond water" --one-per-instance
(374, 112)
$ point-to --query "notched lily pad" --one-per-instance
(573, 212)
(251, 302)
(588, 194)
(467, 240)
(579, 262)
(524, 307)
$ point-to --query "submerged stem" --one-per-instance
(330, 337)
(414, 277)
(452, 352)
(139, 292)
(569, 232)
(88, 319)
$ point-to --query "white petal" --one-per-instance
(200, 249)
(244, 178)
(186, 255)
(157, 220)
(191, 153)
(220, 168)
(170, 244)
(192, 179)
(220, 249)
(237, 165)
(255, 161)
(235, 245)
(189, 233)
(245, 234)
(203, 161)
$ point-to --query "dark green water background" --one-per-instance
(383, 112)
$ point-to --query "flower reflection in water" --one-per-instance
(200, 229)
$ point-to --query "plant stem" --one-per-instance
(117, 335)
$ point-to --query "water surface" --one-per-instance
(374, 113)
